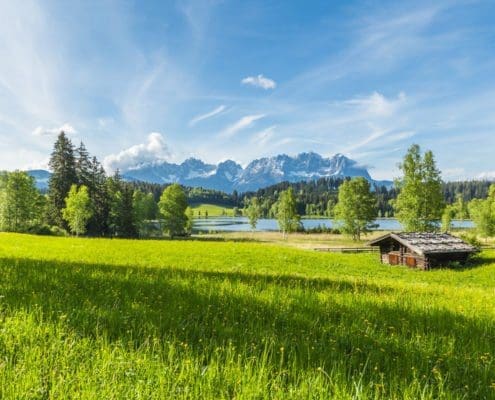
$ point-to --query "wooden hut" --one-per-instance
(422, 250)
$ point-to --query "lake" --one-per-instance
(241, 224)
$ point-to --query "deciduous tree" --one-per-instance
(482, 213)
(253, 212)
(20, 202)
(355, 210)
(286, 212)
(77, 211)
(173, 205)
(419, 204)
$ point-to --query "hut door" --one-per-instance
(411, 261)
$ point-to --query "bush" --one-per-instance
(471, 239)
(40, 229)
(57, 231)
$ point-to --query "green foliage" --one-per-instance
(211, 210)
(100, 199)
(145, 210)
(172, 206)
(483, 214)
(77, 211)
(471, 239)
(100, 318)
(329, 212)
(21, 205)
(122, 216)
(190, 220)
(419, 204)
(286, 212)
(448, 215)
(253, 212)
(355, 210)
(63, 166)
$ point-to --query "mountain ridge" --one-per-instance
(229, 175)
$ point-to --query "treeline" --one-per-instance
(82, 199)
(316, 198)
(195, 195)
(319, 197)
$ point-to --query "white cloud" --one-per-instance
(453, 173)
(378, 105)
(210, 114)
(262, 137)
(154, 149)
(67, 128)
(243, 123)
(260, 81)
(487, 175)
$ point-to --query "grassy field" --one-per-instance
(111, 319)
(213, 210)
(301, 240)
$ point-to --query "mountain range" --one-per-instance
(228, 176)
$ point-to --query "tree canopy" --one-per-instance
(77, 211)
(253, 212)
(63, 166)
(172, 206)
(483, 214)
(21, 204)
(420, 202)
(287, 217)
(355, 210)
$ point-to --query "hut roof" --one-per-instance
(428, 243)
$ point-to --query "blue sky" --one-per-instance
(141, 81)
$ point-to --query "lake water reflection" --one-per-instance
(241, 224)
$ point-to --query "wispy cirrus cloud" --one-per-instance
(243, 123)
(260, 81)
(202, 117)
(263, 137)
(377, 104)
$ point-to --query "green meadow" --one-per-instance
(122, 319)
(211, 210)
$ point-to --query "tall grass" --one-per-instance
(94, 318)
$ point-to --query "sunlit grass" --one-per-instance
(211, 210)
(94, 318)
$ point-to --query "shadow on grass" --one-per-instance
(476, 261)
(213, 309)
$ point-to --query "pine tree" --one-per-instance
(83, 167)
(127, 226)
(114, 193)
(98, 224)
(63, 166)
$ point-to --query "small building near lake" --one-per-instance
(422, 250)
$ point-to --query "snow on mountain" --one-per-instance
(228, 176)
